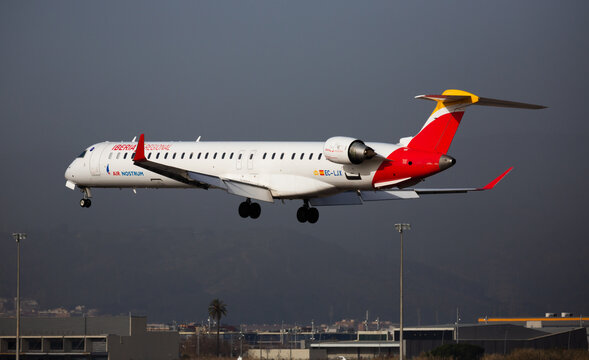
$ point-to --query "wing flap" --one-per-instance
(358, 197)
(344, 198)
(389, 195)
(212, 181)
(249, 191)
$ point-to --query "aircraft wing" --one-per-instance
(200, 180)
(489, 186)
(171, 172)
(359, 197)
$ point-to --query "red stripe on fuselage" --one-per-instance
(407, 163)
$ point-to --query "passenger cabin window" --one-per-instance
(231, 156)
(166, 156)
(206, 156)
(174, 156)
(198, 157)
(157, 156)
(133, 156)
(311, 156)
(182, 157)
(118, 156)
(302, 156)
(251, 156)
(215, 156)
(223, 156)
(293, 155)
(125, 156)
(281, 156)
(319, 158)
(264, 156)
(109, 156)
(191, 154)
(273, 156)
(149, 156)
(239, 158)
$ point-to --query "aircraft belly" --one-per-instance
(288, 186)
(144, 182)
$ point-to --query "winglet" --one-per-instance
(140, 153)
(492, 184)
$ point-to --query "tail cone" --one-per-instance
(446, 162)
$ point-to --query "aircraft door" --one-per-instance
(250, 160)
(239, 160)
(95, 155)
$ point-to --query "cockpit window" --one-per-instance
(82, 154)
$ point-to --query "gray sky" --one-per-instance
(76, 73)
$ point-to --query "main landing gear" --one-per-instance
(306, 213)
(86, 202)
(248, 208)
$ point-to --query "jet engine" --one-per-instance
(345, 150)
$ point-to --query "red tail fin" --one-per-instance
(439, 129)
(437, 135)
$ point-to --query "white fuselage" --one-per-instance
(340, 171)
(287, 169)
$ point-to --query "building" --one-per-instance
(92, 338)
(504, 338)
(494, 338)
(551, 322)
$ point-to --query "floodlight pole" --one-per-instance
(18, 237)
(400, 228)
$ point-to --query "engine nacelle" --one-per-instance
(345, 150)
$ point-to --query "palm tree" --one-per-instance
(217, 309)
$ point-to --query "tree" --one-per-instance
(217, 309)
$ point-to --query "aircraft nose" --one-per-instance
(68, 173)
(446, 162)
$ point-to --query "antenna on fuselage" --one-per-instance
(134, 138)
(197, 140)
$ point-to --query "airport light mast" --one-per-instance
(400, 228)
(18, 237)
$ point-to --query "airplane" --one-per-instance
(340, 171)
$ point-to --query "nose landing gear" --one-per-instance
(249, 209)
(307, 214)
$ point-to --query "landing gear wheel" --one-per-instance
(85, 203)
(302, 214)
(249, 209)
(312, 215)
(244, 209)
(255, 210)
